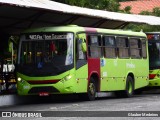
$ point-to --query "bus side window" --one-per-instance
(94, 46)
(80, 55)
(144, 49)
(135, 48)
(122, 47)
(109, 46)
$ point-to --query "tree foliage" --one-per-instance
(109, 5)
(127, 10)
(154, 12)
(124, 0)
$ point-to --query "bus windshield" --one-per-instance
(154, 52)
(46, 54)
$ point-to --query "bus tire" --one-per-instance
(91, 92)
(129, 87)
(91, 89)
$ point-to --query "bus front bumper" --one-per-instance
(154, 82)
(46, 89)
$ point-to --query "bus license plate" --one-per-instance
(43, 94)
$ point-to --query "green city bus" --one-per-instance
(154, 58)
(72, 59)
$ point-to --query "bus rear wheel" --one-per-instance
(128, 92)
(129, 87)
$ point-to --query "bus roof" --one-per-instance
(75, 29)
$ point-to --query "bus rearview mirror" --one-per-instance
(84, 47)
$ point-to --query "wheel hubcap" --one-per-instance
(91, 88)
(130, 87)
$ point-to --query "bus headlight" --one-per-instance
(67, 77)
(19, 79)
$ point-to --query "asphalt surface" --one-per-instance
(139, 107)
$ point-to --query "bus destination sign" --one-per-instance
(49, 36)
(153, 37)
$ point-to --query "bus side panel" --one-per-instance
(113, 75)
(141, 72)
(81, 79)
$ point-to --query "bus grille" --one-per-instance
(43, 89)
(42, 81)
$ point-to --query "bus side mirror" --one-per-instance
(84, 47)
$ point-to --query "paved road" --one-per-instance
(146, 102)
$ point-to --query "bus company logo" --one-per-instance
(130, 65)
(6, 114)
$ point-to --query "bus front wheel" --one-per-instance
(91, 91)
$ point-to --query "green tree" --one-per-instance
(109, 5)
(127, 10)
(124, 0)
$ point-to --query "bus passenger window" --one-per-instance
(144, 51)
(109, 46)
(135, 48)
(94, 46)
(122, 47)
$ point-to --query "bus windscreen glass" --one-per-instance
(154, 51)
(46, 54)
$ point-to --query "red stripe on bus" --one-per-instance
(93, 67)
(93, 30)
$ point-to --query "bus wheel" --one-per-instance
(91, 92)
(91, 89)
(129, 87)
